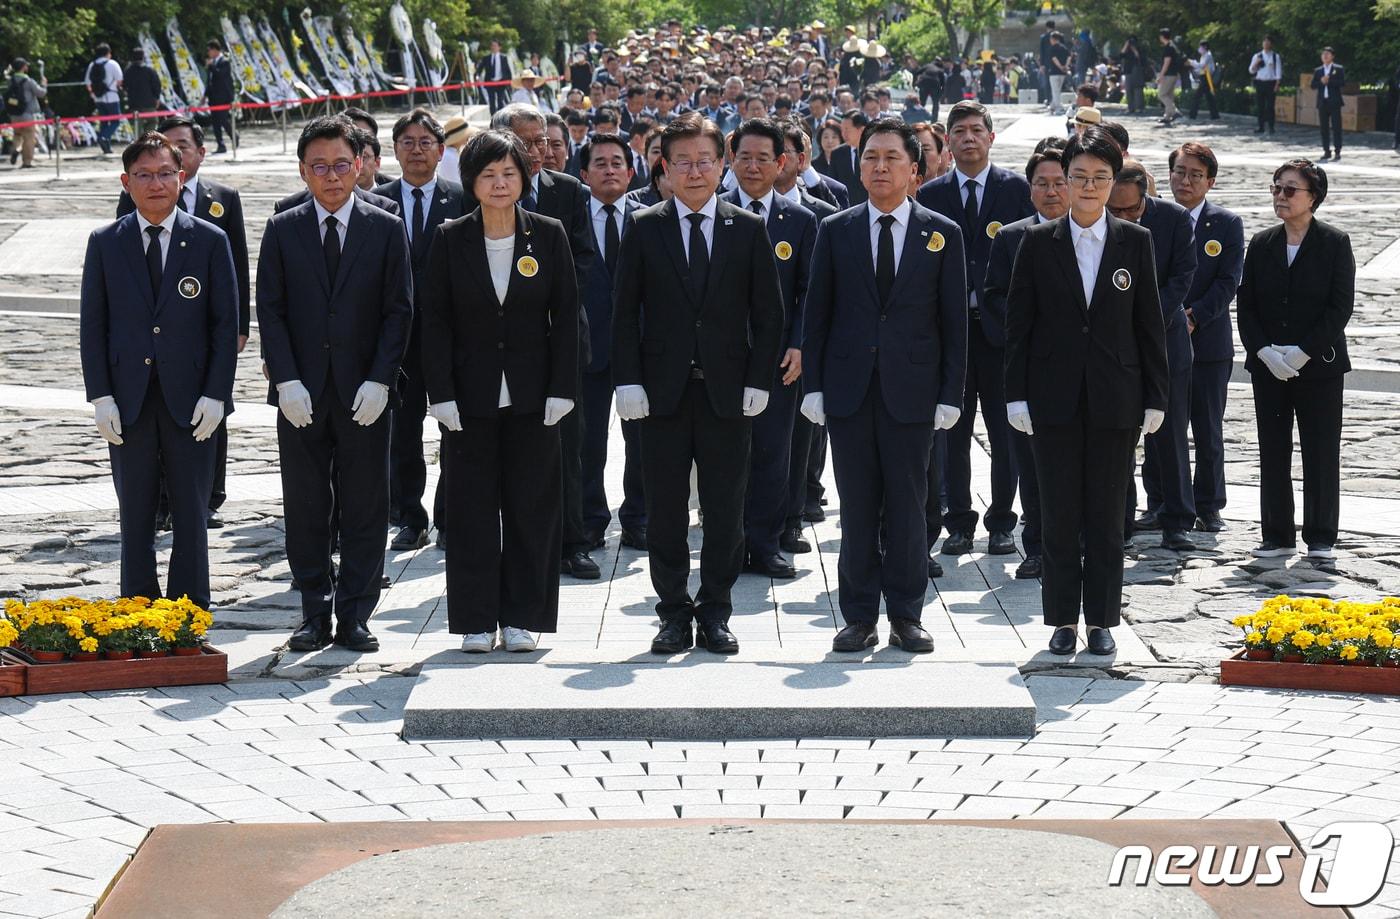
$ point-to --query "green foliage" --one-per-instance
(42, 30)
(919, 34)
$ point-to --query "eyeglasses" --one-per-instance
(423, 143)
(1042, 185)
(1192, 177)
(542, 142)
(1288, 191)
(1082, 181)
(684, 166)
(164, 177)
(762, 160)
(340, 168)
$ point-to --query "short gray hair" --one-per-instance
(507, 116)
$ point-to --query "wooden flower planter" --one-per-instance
(1237, 671)
(19, 678)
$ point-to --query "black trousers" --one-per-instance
(222, 122)
(1317, 404)
(218, 493)
(1264, 91)
(571, 436)
(152, 437)
(1083, 476)
(503, 494)
(801, 459)
(882, 477)
(1203, 91)
(497, 97)
(596, 407)
(408, 469)
(985, 380)
(1166, 466)
(1329, 120)
(1030, 494)
(936, 496)
(766, 503)
(719, 449)
(335, 454)
(1210, 385)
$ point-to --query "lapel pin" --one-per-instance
(182, 244)
(729, 221)
(1122, 279)
(923, 233)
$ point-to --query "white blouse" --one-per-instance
(498, 257)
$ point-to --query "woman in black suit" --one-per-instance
(500, 357)
(1294, 302)
(1086, 370)
(827, 140)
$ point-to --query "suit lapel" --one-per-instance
(309, 232)
(355, 235)
(721, 247)
(474, 239)
(858, 230)
(1112, 249)
(671, 234)
(916, 237)
(1068, 263)
(175, 258)
(1277, 247)
(129, 237)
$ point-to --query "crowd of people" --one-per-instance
(754, 264)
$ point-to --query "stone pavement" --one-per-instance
(314, 737)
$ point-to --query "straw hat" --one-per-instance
(876, 50)
(817, 26)
(850, 30)
(853, 45)
(518, 81)
(1088, 115)
(457, 132)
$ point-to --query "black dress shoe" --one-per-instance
(714, 636)
(856, 636)
(441, 539)
(1062, 642)
(1029, 568)
(909, 635)
(1177, 541)
(355, 636)
(164, 523)
(594, 540)
(214, 521)
(1101, 641)
(312, 635)
(1001, 544)
(957, 544)
(409, 538)
(773, 566)
(675, 636)
(793, 542)
(1147, 521)
(384, 582)
(635, 538)
(814, 514)
(580, 566)
(1210, 522)
(935, 568)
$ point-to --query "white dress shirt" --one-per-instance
(342, 219)
(897, 230)
(167, 227)
(406, 197)
(766, 203)
(810, 177)
(190, 195)
(1270, 66)
(600, 220)
(1195, 213)
(449, 167)
(793, 194)
(707, 226)
(1326, 90)
(980, 188)
(1089, 244)
(499, 253)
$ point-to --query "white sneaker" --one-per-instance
(1325, 553)
(478, 642)
(517, 639)
(1273, 550)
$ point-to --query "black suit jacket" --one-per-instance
(220, 205)
(792, 233)
(1110, 353)
(820, 207)
(843, 169)
(296, 199)
(483, 70)
(142, 85)
(598, 294)
(1334, 84)
(1174, 247)
(1219, 263)
(1307, 304)
(350, 328)
(219, 82)
(735, 325)
(917, 338)
(997, 283)
(470, 338)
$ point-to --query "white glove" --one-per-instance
(945, 416)
(1018, 415)
(446, 414)
(1276, 364)
(207, 415)
(1293, 356)
(295, 403)
(370, 402)
(813, 409)
(1152, 419)
(632, 403)
(556, 409)
(109, 419)
(755, 401)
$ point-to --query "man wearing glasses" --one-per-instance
(427, 201)
(335, 309)
(159, 341)
(697, 333)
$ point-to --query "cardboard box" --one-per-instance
(1286, 109)
(1352, 122)
(1360, 105)
(1307, 116)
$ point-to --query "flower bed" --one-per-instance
(1318, 643)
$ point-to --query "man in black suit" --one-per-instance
(980, 198)
(606, 170)
(1329, 79)
(495, 68)
(1166, 471)
(845, 159)
(357, 140)
(759, 154)
(142, 85)
(335, 309)
(427, 201)
(1050, 198)
(220, 205)
(1086, 371)
(697, 331)
(885, 348)
(564, 198)
(159, 341)
(219, 91)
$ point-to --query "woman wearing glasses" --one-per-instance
(1086, 368)
(500, 354)
(1294, 303)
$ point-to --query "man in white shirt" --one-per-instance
(1266, 67)
(1204, 69)
(104, 80)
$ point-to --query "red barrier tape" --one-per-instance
(330, 97)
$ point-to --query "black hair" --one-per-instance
(636, 90)
(857, 118)
(1200, 151)
(424, 119)
(1095, 142)
(792, 131)
(359, 114)
(1051, 155)
(1132, 174)
(758, 127)
(606, 113)
(214, 44)
(1052, 143)
(1314, 175)
(1088, 91)
(368, 140)
(329, 127)
(888, 124)
(150, 142)
(171, 122)
(489, 147)
(103, 49)
(1116, 130)
(1166, 33)
(968, 108)
(576, 118)
(585, 154)
(691, 124)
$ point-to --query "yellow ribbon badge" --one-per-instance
(783, 250)
(935, 242)
(527, 266)
(216, 209)
(1212, 247)
(993, 229)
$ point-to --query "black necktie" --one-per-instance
(884, 259)
(699, 255)
(180, 201)
(330, 246)
(153, 262)
(756, 207)
(611, 239)
(970, 207)
(417, 216)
